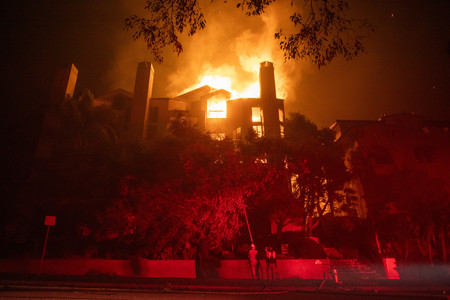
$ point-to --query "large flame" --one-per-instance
(228, 79)
(241, 83)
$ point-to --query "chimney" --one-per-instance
(141, 102)
(267, 81)
(269, 103)
(64, 84)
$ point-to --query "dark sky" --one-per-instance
(406, 69)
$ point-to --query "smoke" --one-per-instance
(232, 45)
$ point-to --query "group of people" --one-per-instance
(271, 262)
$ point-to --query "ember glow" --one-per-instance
(241, 81)
(226, 83)
(217, 108)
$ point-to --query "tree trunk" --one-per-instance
(406, 249)
(200, 260)
(430, 255)
(280, 226)
(443, 244)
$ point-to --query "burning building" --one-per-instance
(208, 109)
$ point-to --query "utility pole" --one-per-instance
(248, 226)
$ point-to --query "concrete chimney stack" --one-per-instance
(64, 84)
(63, 87)
(267, 81)
(269, 103)
(141, 101)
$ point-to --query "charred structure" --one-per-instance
(208, 109)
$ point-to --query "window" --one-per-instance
(216, 108)
(256, 114)
(280, 115)
(258, 130)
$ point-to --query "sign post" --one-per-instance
(49, 221)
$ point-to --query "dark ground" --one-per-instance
(116, 287)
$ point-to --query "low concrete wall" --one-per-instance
(227, 269)
(143, 267)
(286, 268)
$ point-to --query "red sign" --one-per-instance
(50, 220)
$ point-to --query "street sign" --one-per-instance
(50, 220)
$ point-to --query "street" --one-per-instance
(84, 294)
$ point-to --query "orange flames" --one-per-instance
(242, 83)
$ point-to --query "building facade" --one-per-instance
(394, 144)
(208, 109)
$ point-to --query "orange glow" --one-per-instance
(242, 82)
(217, 82)
(256, 114)
(226, 83)
(216, 107)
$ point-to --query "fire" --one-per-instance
(217, 108)
(226, 83)
(242, 83)
(216, 81)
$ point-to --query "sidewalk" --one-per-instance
(93, 282)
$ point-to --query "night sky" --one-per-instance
(406, 69)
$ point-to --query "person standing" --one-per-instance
(271, 262)
(252, 260)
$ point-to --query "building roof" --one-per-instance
(195, 94)
(342, 127)
(112, 94)
(400, 120)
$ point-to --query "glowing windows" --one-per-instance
(258, 130)
(280, 115)
(256, 114)
(216, 108)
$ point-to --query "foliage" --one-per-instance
(322, 29)
(85, 158)
(317, 168)
(307, 175)
(322, 32)
(413, 203)
(83, 124)
(200, 206)
(157, 198)
(80, 173)
(166, 21)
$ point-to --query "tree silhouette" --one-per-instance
(82, 172)
(322, 29)
(317, 168)
(410, 209)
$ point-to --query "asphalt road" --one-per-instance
(93, 294)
